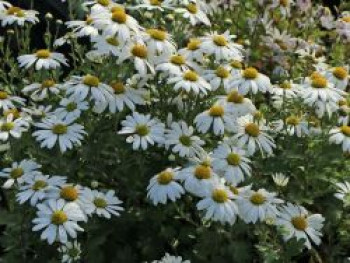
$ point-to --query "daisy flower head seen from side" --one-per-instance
(8, 101)
(237, 104)
(343, 192)
(83, 28)
(221, 47)
(253, 136)
(163, 187)
(341, 135)
(295, 221)
(339, 76)
(15, 174)
(143, 130)
(296, 125)
(194, 13)
(173, 65)
(58, 220)
(258, 205)
(220, 76)
(251, 81)
(280, 179)
(99, 203)
(218, 203)
(159, 42)
(71, 251)
(180, 137)
(14, 15)
(171, 259)
(35, 187)
(42, 59)
(232, 162)
(107, 45)
(43, 90)
(193, 51)
(283, 92)
(64, 132)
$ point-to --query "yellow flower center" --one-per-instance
(236, 64)
(192, 8)
(342, 103)
(257, 198)
(16, 11)
(346, 19)
(216, 111)
(177, 59)
(286, 85)
(3, 95)
(47, 83)
(252, 129)
(43, 53)
(293, 120)
(142, 129)
(345, 130)
(258, 115)
(202, 172)
(300, 222)
(190, 75)
(59, 217)
(284, 3)
(7, 126)
(165, 177)
(235, 97)
(234, 190)
(193, 44)
(39, 184)
(157, 34)
(319, 83)
(340, 73)
(139, 50)
(221, 72)
(119, 16)
(233, 159)
(250, 73)
(185, 140)
(118, 87)
(315, 75)
(100, 202)
(72, 106)
(16, 173)
(220, 40)
(89, 20)
(91, 81)
(112, 41)
(155, 2)
(16, 114)
(69, 193)
(59, 129)
(281, 44)
(103, 2)
(220, 195)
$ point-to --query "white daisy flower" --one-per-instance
(236, 68)
(193, 51)
(232, 162)
(126, 95)
(59, 219)
(68, 193)
(89, 86)
(296, 125)
(258, 205)
(171, 259)
(339, 76)
(237, 104)
(16, 15)
(107, 45)
(283, 92)
(218, 117)
(42, 59)
(220, 76)
(101, 204)
(40, 91)
(163, 186)
(280, 179)
(8, 101)
(40, 111)
(253, 136)
(159, 42)
(190, 81)
(139, 54)
(343, 192)
(194, 14)
(173, 65)
(283, 6)
(9, 126)
(251, 81)
(115, 22)
(54, 130)
(150, 5)
(71, 108)
(144, 129)
(34, 187)
(295, 221)
(83, 28)
(18, 171)
(70, 251)
(218, 203)
(181, 137)
(221, 47)
(341, 135)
